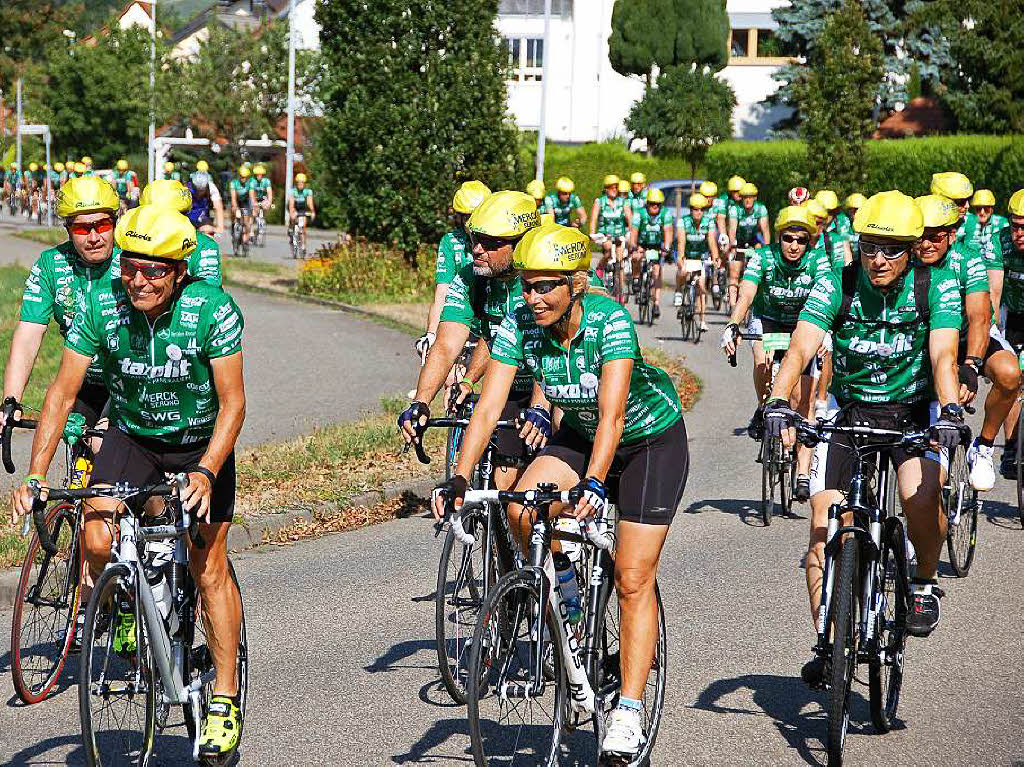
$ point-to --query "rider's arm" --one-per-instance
(434, 315)
(634, 236)
(311, 206)
(451, 338)
(803, 345)
(60, 398)
(270, 195)
(594, 211)
(478, 362)
(750, 283)
(668, 236)
(229, 384)
(978, 306)
(765, 230)
(581, 214)
(28, 336)
(942, 347)
(497, 385)
(252, 198)
(713, 246)
(733, 223)
(611, 418)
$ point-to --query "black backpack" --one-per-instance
(922, 287)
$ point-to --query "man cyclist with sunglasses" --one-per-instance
(170, 352)
(895, 329)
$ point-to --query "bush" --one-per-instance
(991, 162)
(362, 273)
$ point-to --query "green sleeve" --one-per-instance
(823, 302)
(944, 301)
(507, 345)
(975, 272)
(458, 302)
(224, 324)
(38, 299)
(575, 201)
(204, 263)
(762, 210)
(618, 337)
(756, 262)
(445, 260)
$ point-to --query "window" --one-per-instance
(756, 46)
(525, 58)
(561, 8)
(768, 45)
(739, 46)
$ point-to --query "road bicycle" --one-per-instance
(866, 594)
(144, 646)
(260, 227)
(295, 237)
(239, 245)
(643, 285)
(47, 599)
(961, 505)
(718, 279)
(534, 677)
(687, 313)
(617, 270)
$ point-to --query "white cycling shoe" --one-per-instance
(624, 734)
(983, 470)
(677, 299)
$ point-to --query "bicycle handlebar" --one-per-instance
(10, 424)
(447, 422)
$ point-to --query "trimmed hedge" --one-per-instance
(991, 162)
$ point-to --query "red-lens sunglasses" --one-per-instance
(82, 228)
(130, 268)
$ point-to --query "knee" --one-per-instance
(1006, 376)
(96, 539)
(633, 582)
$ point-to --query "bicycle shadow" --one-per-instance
(786, 700)
(391, 660)
(168, 749)
(1001, 514)
(68, 678)
(746, 510)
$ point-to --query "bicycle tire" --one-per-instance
(1020, 469)
(453, 442)
(890, 630)
(494, 629)
(194, 668)
(34, 682)
(115, 586)
(768, 480)
(605, 680)
(842, 620)
(787, 478)
(960, 504)
(453, 651)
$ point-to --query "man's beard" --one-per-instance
(483, 271)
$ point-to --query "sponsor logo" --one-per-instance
(569, 391)
(202, 388)
(189, 302)
(172, 369)
(222, 312)
(165, 416)
(160, 398)
(139, 235)
(203, 420)
(190, 318)
(173, 352)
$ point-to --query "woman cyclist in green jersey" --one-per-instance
(697, 240)
(618, 411)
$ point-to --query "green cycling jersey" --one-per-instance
(720, 205)
(241, 190)
(748, 222)
(262, 187)
(301, 197)
(984, 237)
(637, 202)
(611, 216)
(782, 286)
(453, 254)
(1013, 273)
(829, 245)
(880, 352)
(123, 181)
(561, 211)
(650, 230)
(968, 267)
(571, 377)
(694, 236)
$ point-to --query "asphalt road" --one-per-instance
(341, 636)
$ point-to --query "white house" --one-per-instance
(587, 99)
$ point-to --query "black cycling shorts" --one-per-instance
(832, 463)
(140, 461)
(651, 472)
(1014, 333)
(90, 402)
(511, 450)
(996, 343)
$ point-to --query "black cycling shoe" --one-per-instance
(1008, 465)
(813, 672)
(925, 611)
(802, 491)
(656, 311)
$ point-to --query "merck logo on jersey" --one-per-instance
(171, 369)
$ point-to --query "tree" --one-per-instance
(910, 42)
(415, 102)
(28, 28)
(836, 97)
(687, 112)
(667, 33)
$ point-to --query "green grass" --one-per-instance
(47, 235)
(365, 273)
(12, 283)
(260, 267)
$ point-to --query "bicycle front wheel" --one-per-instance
(770, 458)
(116, 691)
(960, 503)
(843, 631)
(885, 670)
(45, 607)
(515, 718)
(1020, 469)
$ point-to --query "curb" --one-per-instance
(242, 537)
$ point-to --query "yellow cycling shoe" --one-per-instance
(221, 730)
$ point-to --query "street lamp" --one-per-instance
(152, 91)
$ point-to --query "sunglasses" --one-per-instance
(888, 252)
(130, 268)
(82, 228)
(488, 243)
(1014, 226)
(789, 239)
(936, 235)
(541, 287)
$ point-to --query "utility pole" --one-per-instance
(17, 128)
(152, 95)
(545, 69)
(289, 163)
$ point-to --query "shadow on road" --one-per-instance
(68, 678)
(389, 661)
(745, 509)
(1001, 514)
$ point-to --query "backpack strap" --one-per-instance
(850, 275)
(922, 287)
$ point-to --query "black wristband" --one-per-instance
(206, 473)
(975, 362)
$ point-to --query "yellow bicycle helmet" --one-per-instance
(507, 215)
(153, 231)
(244, 172)
(856, 201)
(937, 210)
(33, 167)
(656, 195)
(610, 180)
(536, 189)
(565, 184)
(638, 178)
(796, 217)
(955, 186)
(892, 215)
(816, 209)
(697, 200)
(86, 194)
(470, 195)
(59, 167)
(623, 186)
(709, 189)
(167, 193)
(828, 198)
(299, 178)
(122, 165)
(259, 170)
(87, 160)
(203, 166)
(735, 184)
(168, 166)
(748, 190)
(553, 248)
(983, 197)
(1016, 204)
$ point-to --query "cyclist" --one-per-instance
(1012, 247)
(563, 201)
(696, 238)
(264, 190)
(452, 255)
(637, 194)
(651, 229)
(611, 218)
(983, 350)
(852, 203)
(59, 282)
(537, 191)
(54, 176)
(243, 199)
(126, 182)
(895, 330)
(204, 263)
(724, 204)
(300, 205)
(833, 228)
(982, 230)
(177, 404)
(36, 180)
(59, 176)
(87, 166)
(618, 411)
(776, 282)
(207, 213)
(170, 173)
(478, 299)
(748, 228)
(826, 243)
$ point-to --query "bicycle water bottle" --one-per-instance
(568, 589)
(157, 558)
